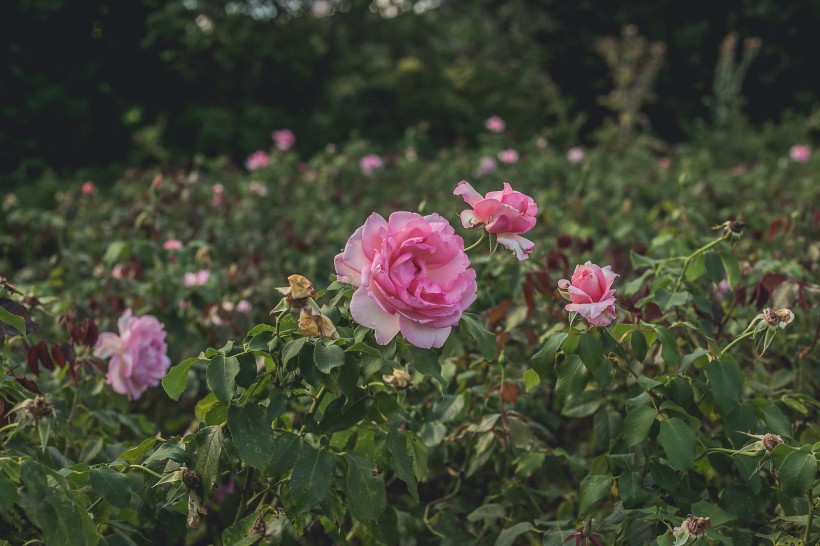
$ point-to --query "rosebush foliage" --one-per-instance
(530, 426)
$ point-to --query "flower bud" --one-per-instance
(399, 379)
(314, 324)
(771, 441)
(40, 408)
(697, 525)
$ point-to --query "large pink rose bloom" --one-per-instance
(138, 354)
(591, 294)
(412, 276)
(506, 213)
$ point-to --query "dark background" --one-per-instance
(87, 83)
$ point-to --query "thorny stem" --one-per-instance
(475, 244)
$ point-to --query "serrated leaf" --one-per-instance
(285, 452)
(725, 380)
(176, 380)
(401, 460)
(668, 300)
(669, 350)
(448, 408)
(485, 339)
(582, 405)
(365, 486)
(311, 478)
(277, 403)
(678, 441)
(111, 485)
(637, 424)
(221, 376)
(209, 442)
(544, 360)
(252, 435)
(292, 349)
(326, 357)
(487, 512)
(571, 377)
(714, 266)
(531, 379)
(508, 536)
(797, 472)
(15, 321)
(136, 453)
(593, 488)
(426, 361)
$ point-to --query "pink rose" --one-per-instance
(196, 279)
(117, 271)
(508, 156)
(138, 354)
(575, 154)
(370, 163)
(665, 163)
(591, 294)
(243, 306)
(172, 244)
(284, 139)
(800, 153)
(486, 165)
(412, 276)
(507, 214)
(89, 188)
(257, 160)
(218, 195)
(494, 124)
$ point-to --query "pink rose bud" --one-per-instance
(284, 139)
(412, 276)
(257, 160)
(575, 154)
(138, 354)
(591, 294)
(507, 214)
(370, 164)
(172, 244)
(494, 124)
(800, 153)
(89, 188)
(508, 156)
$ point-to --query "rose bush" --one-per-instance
(412, 275)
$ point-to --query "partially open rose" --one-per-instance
(591, 294)
(412, 276)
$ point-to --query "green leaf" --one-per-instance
(571, 377)
(487, 512)
(326, 357)
(345, 417)
(176, 380)
(668, 300)
(401, 460)
(797, 472)
(169, 450)
(277, 403)
(630, 490)
(247, 370)
(365, 487)
(508, 536)
(111, 485)
(8, 495)
(136, 453)
(583, 404)
(240, 532)
(426, 361)
(718, 515)
(638, 343)
(15, 321)
(292, 349)
(732, 268)
(544, 360)
(678, 442)
(485, 339)
(285, 452)
(221, 376)
(531, 379)
(593, 488)
(725, 379)
(637, 424)
(33, 476)
(669, 350)
(206, 458)
(252, 435)
(448, 407)
(311, 478)
(714, 266)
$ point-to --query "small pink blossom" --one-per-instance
(541, 143)
(508, 156)
(506, 213)
(412, 276)
(172, 244)
(258, 188)
(117, 271)
(284, 139)
(370, 164)
(575, 154)
(243, 306)
(495, 124)
(721, 289)
(199, 278)
(664, 163)
(218, 195)
(486, 165)
(590, 293)
(184, 304)
(138, 354)
(257, 160)
(89, 188)
(800, 153)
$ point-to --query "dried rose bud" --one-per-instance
(191, 479)
(40, 408)
(780, 318)
(698, 525)
(771, 441)
(300, 288)
(399, 379)
(314, 324)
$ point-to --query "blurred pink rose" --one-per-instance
(486, 165)
(495, 124)
(412, 276)
(370, 163)
(721, 289)
(591, 294)
(257, 160)
(117, 271)
(196, 279)
(575, 154)
(89, 188)
(138, 354)
(243, 306)
(800, 153)
(508, 156)
(507, 214)
(664, 163)
(218, 195)
(172, 244)
(258, 188)
(284, 139)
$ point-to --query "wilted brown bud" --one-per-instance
(83, 333)
(780, 318)
(191, 479)
(300, 287)
(399, 379)
(40, 408)
(195, 508)
(697, 525)
(771, 441)
(314, 324)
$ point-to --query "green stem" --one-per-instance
(243, 498)
(9, 427)
(689, 258)
(475, 244)
(145, 469)
(808, 519)
(745, 334)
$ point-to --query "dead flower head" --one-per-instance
(399, 379)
